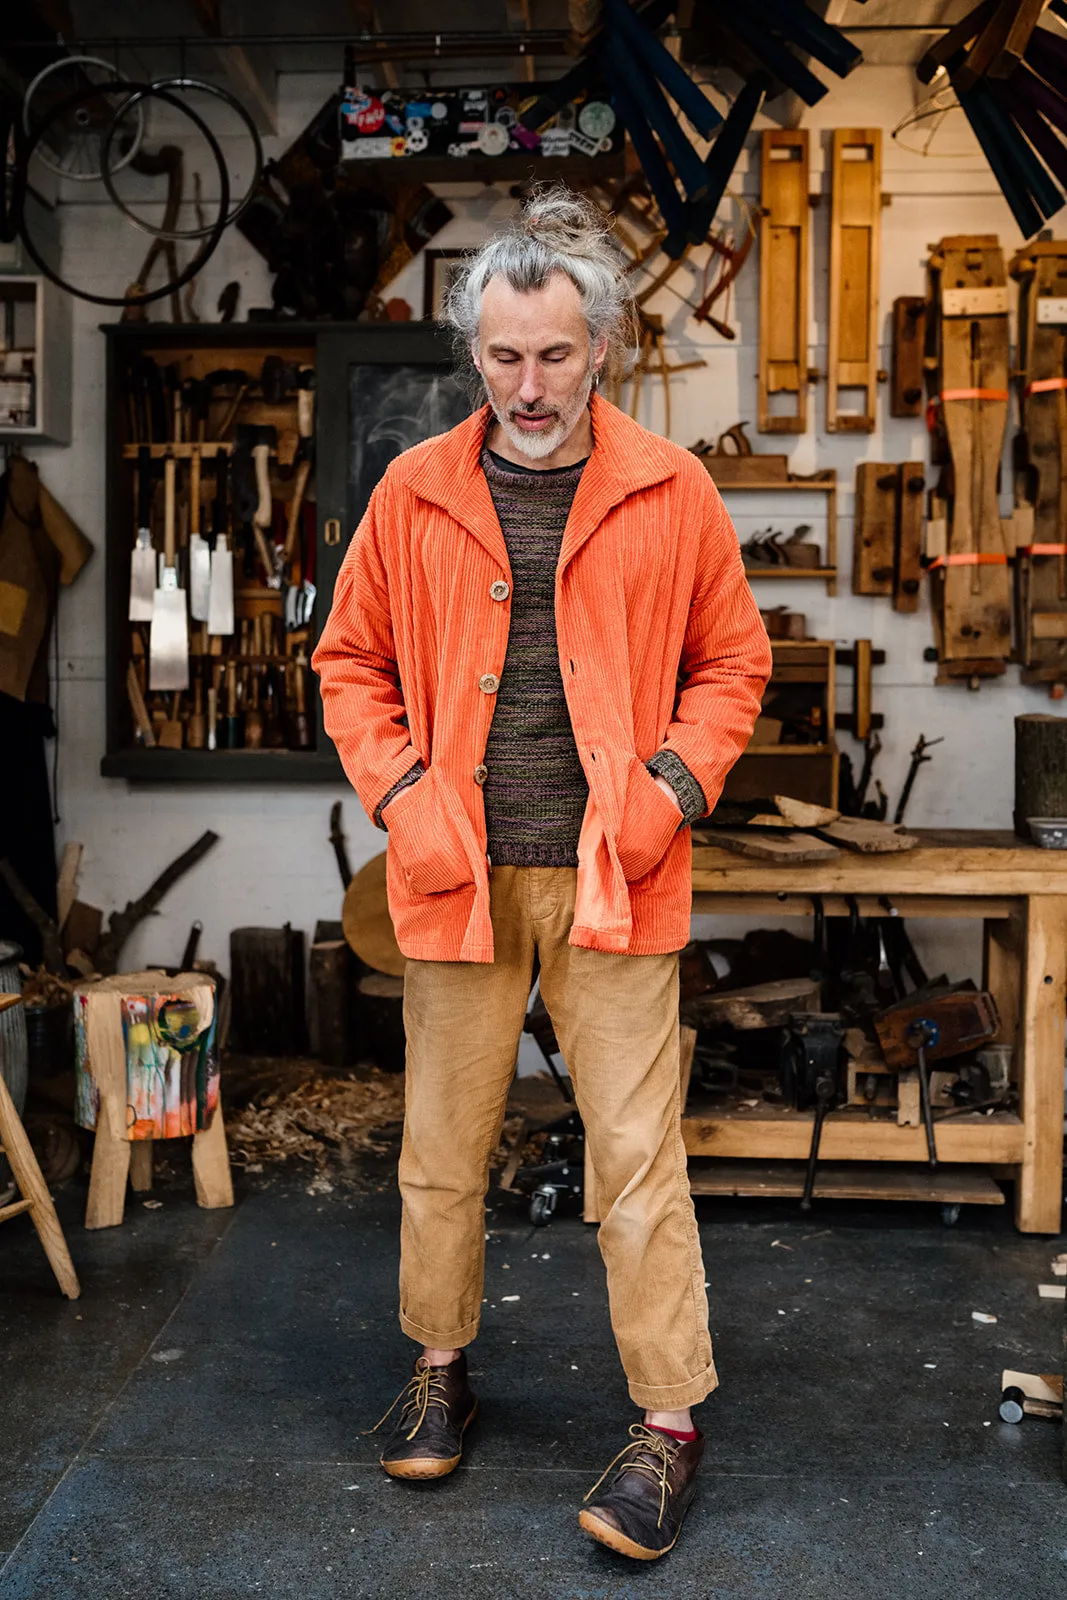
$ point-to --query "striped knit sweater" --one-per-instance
(536, 790)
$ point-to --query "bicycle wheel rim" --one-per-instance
(102, 88)
(178, 234)
(206, 250)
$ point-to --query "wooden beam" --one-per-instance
(365, 16)
(247, 82)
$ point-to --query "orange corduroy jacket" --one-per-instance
(661, 645)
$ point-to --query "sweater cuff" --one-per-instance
(412, 775)
(666, 764)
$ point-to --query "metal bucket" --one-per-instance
(14, 1057)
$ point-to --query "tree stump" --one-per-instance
(1040, 768)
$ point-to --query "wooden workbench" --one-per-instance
(1019, 893)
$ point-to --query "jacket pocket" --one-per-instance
(425, 837)
(650, 820)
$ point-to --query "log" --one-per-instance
(381, 1018)
(332, 968)
(763, 1005)
(1040, 768)
(267, 988)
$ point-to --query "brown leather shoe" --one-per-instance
(651, 1485)
(436, 1409)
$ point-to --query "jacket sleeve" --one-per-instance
(355, 658)
(725, 662)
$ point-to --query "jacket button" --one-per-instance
(499, 590)
(481, 772)
(489, 683)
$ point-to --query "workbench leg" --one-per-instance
(211, 1164)
(1039, 1190)
(1003, 949)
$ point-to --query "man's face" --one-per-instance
(534, 354)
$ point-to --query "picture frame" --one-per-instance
(439, 267)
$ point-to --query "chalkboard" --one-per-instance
(390, 408)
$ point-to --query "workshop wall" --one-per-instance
(274, 862)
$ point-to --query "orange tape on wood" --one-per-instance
(969, 558)
(1042, 385)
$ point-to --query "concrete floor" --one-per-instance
(192, 1426)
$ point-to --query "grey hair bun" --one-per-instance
(557, 231)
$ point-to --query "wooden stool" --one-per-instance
(147, 1069)
(35, 1196)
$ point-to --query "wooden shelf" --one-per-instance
(790, 572)
(223, 766)
(770, 1133)
(852, 1180)
(822, 482)
(409, 171)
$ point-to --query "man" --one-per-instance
(542, 660)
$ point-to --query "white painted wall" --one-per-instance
(274, 863)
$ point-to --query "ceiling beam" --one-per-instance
(255, 88)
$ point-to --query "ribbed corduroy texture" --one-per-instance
(661, 646)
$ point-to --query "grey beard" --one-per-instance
(536, 446)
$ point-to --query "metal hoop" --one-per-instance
(107, 172)
(101, 88)
(207, 248)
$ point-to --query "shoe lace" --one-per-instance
(647, 1452)
(425, 1389)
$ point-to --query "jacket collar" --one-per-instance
(626, 458)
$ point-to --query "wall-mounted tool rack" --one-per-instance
(803, 673)
(396, 362)
(888, 531)
(823, 482)
(785, 253)
(855, 235)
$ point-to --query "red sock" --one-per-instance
(673, 1433)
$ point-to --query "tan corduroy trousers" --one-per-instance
(616, 1019)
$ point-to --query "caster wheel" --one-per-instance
(542, 1205)
(950, 1215)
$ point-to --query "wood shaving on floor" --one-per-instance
(321, 1121)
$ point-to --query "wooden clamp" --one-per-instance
(1041, 565)
(887, 531)
(909, 339)
(971, 593)
(785, 236)
(855, 234)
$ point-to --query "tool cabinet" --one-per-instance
(379, 388)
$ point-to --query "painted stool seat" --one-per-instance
(147, 1068)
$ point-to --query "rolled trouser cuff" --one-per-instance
(435, 1340)
(675, 1396)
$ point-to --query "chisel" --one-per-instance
(168, 657)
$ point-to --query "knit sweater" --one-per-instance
(536, 791)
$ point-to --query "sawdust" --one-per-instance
(322, 1122)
